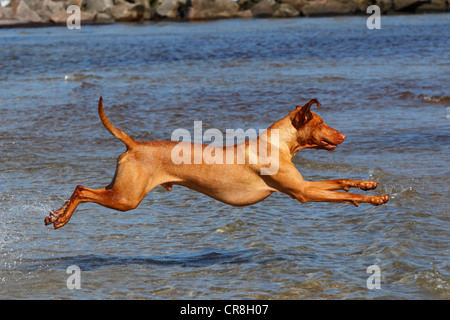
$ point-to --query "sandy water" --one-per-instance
(387, 90)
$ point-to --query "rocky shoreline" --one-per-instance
(33, 13)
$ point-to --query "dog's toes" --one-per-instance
(61, 221)
(55, 216)
(52, 216)
(57, 224)
(368, 185)
(378, 200)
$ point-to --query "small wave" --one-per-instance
(231, 227)
(434, 99)
(87, 87)
(80, 77)
(329, 79)
(408, 95)
(92, 262)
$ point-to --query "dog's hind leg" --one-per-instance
(104, 196)
(127, 189)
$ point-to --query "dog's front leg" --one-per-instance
(319, 195)
(342, 184)
(292, 183)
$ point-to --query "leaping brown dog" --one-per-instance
(146, 165)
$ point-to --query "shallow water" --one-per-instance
(387, 90)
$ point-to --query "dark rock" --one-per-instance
(408, 5)
(246, 4)
(435, 6)
(385, 5)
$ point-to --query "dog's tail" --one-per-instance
(119, 134)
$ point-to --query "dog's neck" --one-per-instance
(289, 143)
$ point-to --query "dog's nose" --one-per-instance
(342, 136)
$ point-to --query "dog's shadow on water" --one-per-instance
(93, 262)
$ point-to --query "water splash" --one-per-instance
(434, 281)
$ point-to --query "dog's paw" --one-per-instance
(56, 216)
(51, 218)
(378, 200)
(367, 185)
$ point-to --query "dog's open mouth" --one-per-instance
(328, 145)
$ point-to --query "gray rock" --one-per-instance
(212, 9)
(72, 2)
(264, 8)
(62, 16)
(103, 17)
(245, 14)
(126, 12)
(45, 8)
(330, 7)
(6, 13)
(98, 5)
(170, 8)
(22, 12)
(297, 4)
(285, 10)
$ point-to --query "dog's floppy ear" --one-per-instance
(303, 114)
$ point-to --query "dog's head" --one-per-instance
(312, 132)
